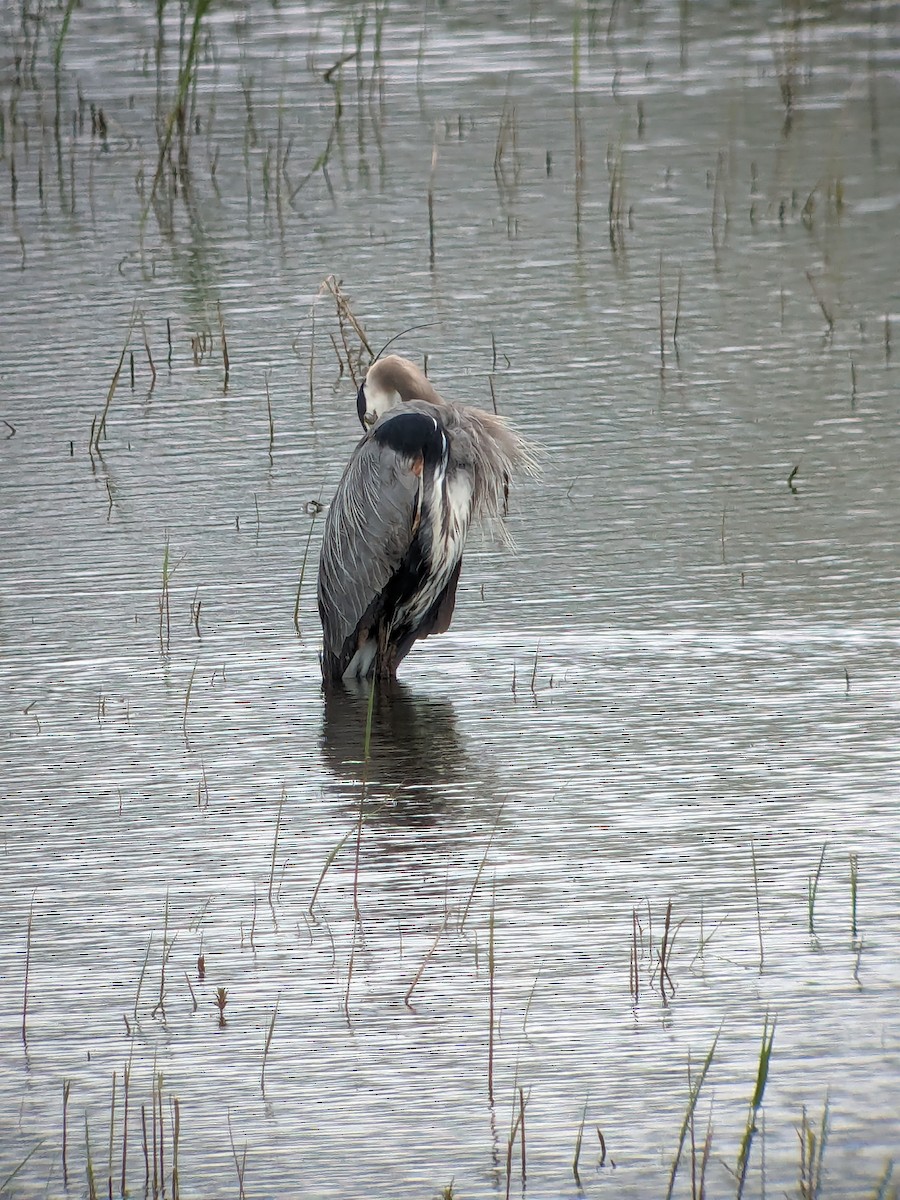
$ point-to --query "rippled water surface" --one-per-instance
(663, 239)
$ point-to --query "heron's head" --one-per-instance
(389, 382)
(374, 400)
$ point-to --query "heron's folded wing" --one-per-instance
(369, 529)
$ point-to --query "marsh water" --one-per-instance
(663, 240)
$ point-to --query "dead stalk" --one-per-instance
(662, 318)
(225, 360)
(491, 965)
(98, 429)
(27, 967)
(424, 964)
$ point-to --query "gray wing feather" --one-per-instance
(368, 530)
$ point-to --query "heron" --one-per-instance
(396, 529)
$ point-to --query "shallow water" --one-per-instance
(687, 671)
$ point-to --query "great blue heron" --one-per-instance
(396, 529)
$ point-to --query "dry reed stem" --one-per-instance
(240, 1165)
(27, 968)
(225, 359)
(827, 312)
(67, 1083)
(99, 428)
(677, 310)
(478, 873)
(491, 966)
(330, 857)
(112, 1129)
(345, 312)
(275, 840)
(662, 318)
(176, 1133)
(271, 1030)
(758, 912)
(423, 965)
(578, 1141)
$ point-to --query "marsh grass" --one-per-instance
(698, 1168)
(425, 961)
(615, 166)
(152, 1139)
(112, 1132)
(664, 955)
(662, 317)
(187, 701)
(762, 1075)
(507, 160)
(465, 913)
(491, 971)
(27, 968)
(240, 1163)
(269, 414)
(149, 354)
(634, 977)
(351, 960)
(579, 1137)
(196, 605)
(165, 612)
(202, 346)
(66, 1087)
(140, 983)
(98, 427)
(517, 1128)
(226, 361)
(786, 53)
(758, 911)
(578, 138)
(534, 670)
(89, 1161)
(693, 1096)
(329, 859)
(60, 42)
(602, 1140)
(269, 1032)
(4, 1183)
(178, 118)
(316, 509)
(167, 948)
(812, 888)
(659, 957)
(719, 217)
(275, 841)
(812, 1151)
(194, 1005)
(883, 1188)
(825, 305)
(333, 76)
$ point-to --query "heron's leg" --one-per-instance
(383, 667)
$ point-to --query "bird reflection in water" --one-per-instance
(417, 765)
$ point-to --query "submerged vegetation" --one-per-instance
(144, 1138)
